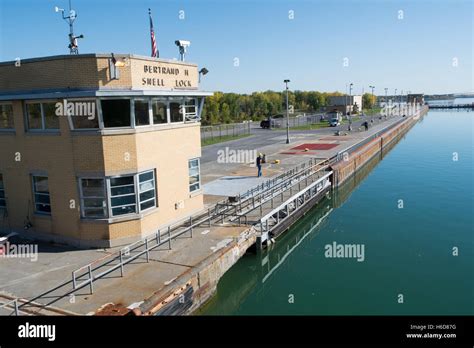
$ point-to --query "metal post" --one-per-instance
(209, 216)
(147, 251)
(74, 280)
(121, 263)
(191, 224)
(15, 303)
(287, 114)
(169, 237)
(158, 237)
(91, 279)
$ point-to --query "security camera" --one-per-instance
(57, 9)
(182, 43)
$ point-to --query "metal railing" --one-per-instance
(12, 303)
(291, 205)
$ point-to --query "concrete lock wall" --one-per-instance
(344, 169)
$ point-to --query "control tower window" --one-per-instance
(176, 112)
(159, 111)
(116, 112)
(142, 114)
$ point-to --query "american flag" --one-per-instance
(154, 49)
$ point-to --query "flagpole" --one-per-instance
(154, 48)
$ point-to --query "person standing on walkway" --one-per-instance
(259, 164)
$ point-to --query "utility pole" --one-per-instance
(350, 108)
(287, 114)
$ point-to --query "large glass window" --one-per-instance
(34, 116)
(194, 175)
(115, 112)
(86, 116)
(122, 195)
(142, 114)
(3, 203)
(146, 182)
(129, 194)
(6, 116)
(159, 111)
(41, 194)
(176, 112)
(42, 116)
(51, 120)
(93, 198)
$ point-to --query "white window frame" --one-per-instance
(199, 174)
(153, 180)
(33, 176)
(108, 194)
(81, 196)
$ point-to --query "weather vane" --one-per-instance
(73, 45)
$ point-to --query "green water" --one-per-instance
(408, 251)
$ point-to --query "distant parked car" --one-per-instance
(334, 122)
(265, 124)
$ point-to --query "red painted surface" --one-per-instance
(324, 146)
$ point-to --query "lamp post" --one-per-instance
(202, 72)
(373, 96)
(386, 91)
(287, 114)
(350, 108)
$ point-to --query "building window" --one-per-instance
(128, 194)
(115, 112)
(86, 115)
(194, 175)
(123, 199)
(93, 198)
(51, 120)
(6, 116)
(42, 116)
(41, 193)
(3, 203)
(159, 111)
(176, 112)
(147, 191)
(34, 116)
(142, 113)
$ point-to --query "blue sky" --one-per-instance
(414, 53)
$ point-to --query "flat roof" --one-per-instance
(96, 55)
(62, 94)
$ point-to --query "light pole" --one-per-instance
(373, 96)
(386, 91)
(350, 108)
(287, 114)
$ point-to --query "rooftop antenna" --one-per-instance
(73, 46)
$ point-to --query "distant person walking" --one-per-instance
(259, 164)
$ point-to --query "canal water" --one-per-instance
(413, 214)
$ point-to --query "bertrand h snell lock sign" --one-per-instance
(163, 75)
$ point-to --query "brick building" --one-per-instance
(98, 150)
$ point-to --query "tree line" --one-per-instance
(233, 107)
